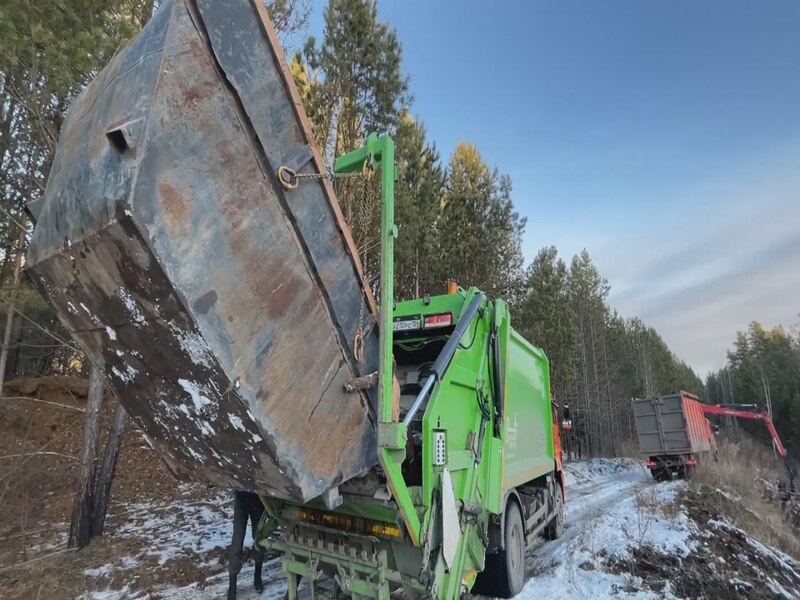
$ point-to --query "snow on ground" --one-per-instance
(195, 528)
(770, 555)
(615, 513)
(184, 529)
(612, 508)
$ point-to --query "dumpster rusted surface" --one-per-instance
(225, 308)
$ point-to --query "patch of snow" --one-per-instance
(193, 344)
(205, 427)
(175, 528)
(236, 422)
(584, 471)
(196, 455)
(112, 335)
(611, 509)
(130, 305)
(108, 594)
(786, 562)
(100, 571)
(126, 376)
(729, 495)
(198, 399)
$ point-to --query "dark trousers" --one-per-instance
(245, 506)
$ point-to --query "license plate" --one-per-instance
(408, 324)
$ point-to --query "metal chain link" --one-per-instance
(328, 175)
(361, 336)
(290, 179)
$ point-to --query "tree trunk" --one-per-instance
(10, 309)
(15, 350)
(80, 528)
(329, 156)
(102, 489)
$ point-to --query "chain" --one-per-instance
(327, 175)
(360, 334)
(290, 179)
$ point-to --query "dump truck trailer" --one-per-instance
(190, 240)
(673, 433)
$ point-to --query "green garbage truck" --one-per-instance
(470, 472)
(191, 242)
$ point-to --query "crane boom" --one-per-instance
(727, 411)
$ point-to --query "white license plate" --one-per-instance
(406, 325)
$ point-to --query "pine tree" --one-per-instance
(763, 368)
(418, 194)
(589, 292)
(359, 60)
(480, 234)
(361, 90)
(545, 316)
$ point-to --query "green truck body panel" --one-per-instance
(529, 451)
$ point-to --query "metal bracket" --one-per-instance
(392, 435)
(299, 159)
(362, 383)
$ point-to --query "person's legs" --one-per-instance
(240, 514)
(256, 511)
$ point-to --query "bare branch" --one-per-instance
(46, 453)
(43, 556)
(67, 406)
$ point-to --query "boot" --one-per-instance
(257, 583)
(232, 587)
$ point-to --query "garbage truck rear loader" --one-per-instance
(188, 241)
(477, 454)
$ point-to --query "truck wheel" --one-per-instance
(555, 528)
(504, 572)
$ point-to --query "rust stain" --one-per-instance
(176, 205)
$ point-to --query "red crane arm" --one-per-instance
(715, 409)
(775, 438)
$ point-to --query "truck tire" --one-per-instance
(504, 572)
(555, 528)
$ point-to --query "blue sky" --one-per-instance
(663, 136)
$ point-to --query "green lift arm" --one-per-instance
(392, 434)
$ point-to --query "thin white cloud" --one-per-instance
(715, 268)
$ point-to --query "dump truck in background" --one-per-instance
(674, 434)
(190, 241)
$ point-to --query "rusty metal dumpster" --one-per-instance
(225, 309)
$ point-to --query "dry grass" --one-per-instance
(628, 449)
(734, 486)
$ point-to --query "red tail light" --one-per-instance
(440, 320)
(650, 463)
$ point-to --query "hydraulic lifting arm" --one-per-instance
(391, 432)
(726, 411)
